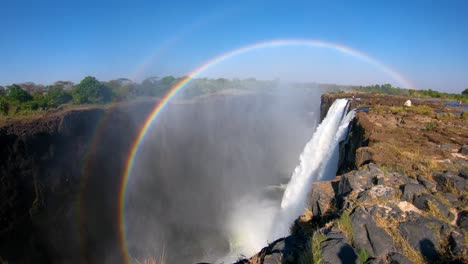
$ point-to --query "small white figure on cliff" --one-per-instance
(407, 103)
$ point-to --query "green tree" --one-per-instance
(465, 92)
(4, 106)
(16, 94)
(2, 91)
(90, 90)
(56, 96)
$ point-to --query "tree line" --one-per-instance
(24, 98)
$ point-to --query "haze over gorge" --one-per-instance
(196, 182)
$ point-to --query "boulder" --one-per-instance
(463, 174)
(464, 150)
(422, 235)
(422, 202)
(320, 198)
(363, 156)
(407, 103)
(397, 258)
(367, 235)
(411, 190)
(457, 243)
(335, 249)
(451, 179)
(430, 185)
(462, 220)
(377, 192)
(357, 181)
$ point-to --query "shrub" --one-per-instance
(430, 126)
(15, 93)
(4, 106)
(56, 96)
(90, 90)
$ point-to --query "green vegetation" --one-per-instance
(314, 255)
(430, 126)
(389, 89)
(344, 224)
(24, 98)
(363, 255)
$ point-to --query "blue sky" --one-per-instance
(44, 41)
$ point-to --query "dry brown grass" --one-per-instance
(390, 226)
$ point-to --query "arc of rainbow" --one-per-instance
(184, 81)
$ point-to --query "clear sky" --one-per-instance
(44, 41)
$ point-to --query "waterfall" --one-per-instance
(257, 220)
(318, 161)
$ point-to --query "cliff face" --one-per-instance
(46, 198)
(399, 195)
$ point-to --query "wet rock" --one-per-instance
(397, 258)
(320, 198)
(335, 249)
(422, 234)
(462, 220)
(367, 235)
(457, 243)
(411, 190)
(377, 192)
(431, 186)
(450, 179)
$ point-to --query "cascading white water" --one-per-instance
(255, 220)
(314, 165)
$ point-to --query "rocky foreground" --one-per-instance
(400, 195)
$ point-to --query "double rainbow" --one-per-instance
(182, 83)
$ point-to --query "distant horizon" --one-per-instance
(218, 77)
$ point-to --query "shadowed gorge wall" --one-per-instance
(197, 159)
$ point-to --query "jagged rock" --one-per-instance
(464, 150)
(452, 179)
(462, 220)
(411, 190)
(463, 174)
(335, 249)
(357, 181)
(422, 234)
(375, 261)
(397, 258)
(431, 186)
(395, 179)
(457, 243)
(422, 202)
(363, 156)
(367, 235)
(276, 253)
(320, 198)
(377, 192)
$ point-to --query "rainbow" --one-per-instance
(184, 81)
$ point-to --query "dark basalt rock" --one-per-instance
(451, 179)
(367, 235)
(462, 220)
(337, 250)
(422, 202)
(411, 190)
(422, 234)
(397, 258)
(457, 243)
(431, 186)
(355, 181)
